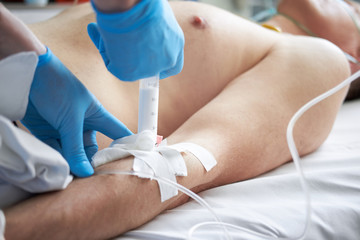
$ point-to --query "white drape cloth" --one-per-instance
(26, 164)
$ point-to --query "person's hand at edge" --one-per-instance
(142, 42)
(65, 115)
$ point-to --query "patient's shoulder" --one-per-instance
(316, 53)
(330, 57)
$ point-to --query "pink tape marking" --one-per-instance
(159, 139)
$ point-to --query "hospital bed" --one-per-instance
(273, 203)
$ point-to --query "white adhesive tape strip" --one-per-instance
(163, 161)
(2, 225)
(120, 148)
(159, 167)
(204, 156)
(175, 159)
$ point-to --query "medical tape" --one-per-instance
(162, 160)
(2, 225)
(201, 153)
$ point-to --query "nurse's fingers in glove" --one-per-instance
(90, 144)
(106, 123)
(73, 150)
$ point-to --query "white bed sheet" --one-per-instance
(273, 203)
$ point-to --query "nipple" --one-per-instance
(199, 22)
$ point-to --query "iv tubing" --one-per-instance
(292, 146)
(296, 160)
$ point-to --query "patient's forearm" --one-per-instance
(98, 207)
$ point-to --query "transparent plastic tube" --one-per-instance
(148, 104)
(351, 58)
(292, 147)
(264, 15)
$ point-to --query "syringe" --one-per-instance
(148, 105)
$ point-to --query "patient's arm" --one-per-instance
(98, 207)
(249, 141)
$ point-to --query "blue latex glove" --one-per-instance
(142, 42)
(65, 115)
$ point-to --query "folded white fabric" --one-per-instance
(27, 164)
(16, 75)
(2, 225)
(160, 160)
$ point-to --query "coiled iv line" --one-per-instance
(296, 159)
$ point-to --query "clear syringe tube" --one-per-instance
(148, 104)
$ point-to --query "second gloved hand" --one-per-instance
(65, 115)
(142, 42)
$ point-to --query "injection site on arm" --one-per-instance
(153, 158)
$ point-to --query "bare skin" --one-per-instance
(240, 86)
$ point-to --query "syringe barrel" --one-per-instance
(148, 104)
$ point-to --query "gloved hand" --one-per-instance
(64, 114)
(142, 42)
